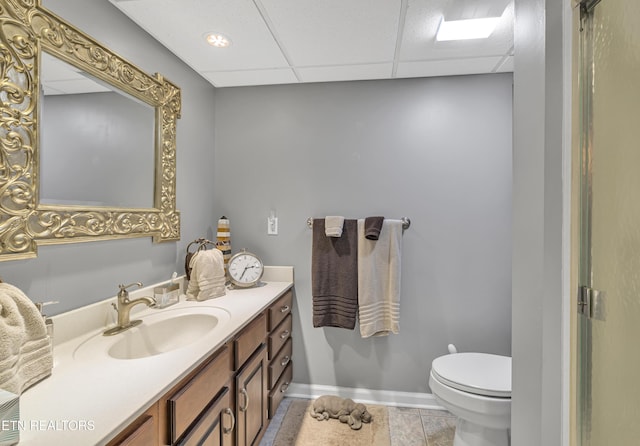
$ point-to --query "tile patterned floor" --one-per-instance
(408, 427)
(421, 427)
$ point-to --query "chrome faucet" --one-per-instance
(124, 308)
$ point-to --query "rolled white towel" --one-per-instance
(333, 225)
(207, 275)
(25, 348)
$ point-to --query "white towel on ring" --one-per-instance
(26, 355)
(379, 271)
(207, 275)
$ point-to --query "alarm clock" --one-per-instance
(244, 269)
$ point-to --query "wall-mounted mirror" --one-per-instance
(87, 139)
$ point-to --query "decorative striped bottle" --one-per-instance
(223, 241)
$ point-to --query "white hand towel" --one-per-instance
(333, 225)
(207, 275)
(26, 355)
(379, 271)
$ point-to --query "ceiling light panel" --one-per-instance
(466, 29)
(335, 32)
(253, 45)
(419, 39)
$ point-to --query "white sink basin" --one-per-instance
(161, 331)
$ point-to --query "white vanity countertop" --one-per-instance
(91, 397)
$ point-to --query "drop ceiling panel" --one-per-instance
(250, 77)
(346, 72)
(474, 9)
(181, 25)
(450, 67)
(334, 32)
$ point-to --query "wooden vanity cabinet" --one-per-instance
(229, 399)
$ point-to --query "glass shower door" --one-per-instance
(609, 323)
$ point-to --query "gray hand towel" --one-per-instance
(372, 227)
(334, 276)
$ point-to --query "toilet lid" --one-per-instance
(479, 373)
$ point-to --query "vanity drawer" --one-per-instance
(280, 336)
(191, 399)
(279, 362)
(215, 426)
(142, 432)
(276, 395)
(250, 339)
(280, 309)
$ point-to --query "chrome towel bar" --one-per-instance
(406, 222)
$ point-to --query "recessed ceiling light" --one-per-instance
(466, 29)
(218, 40)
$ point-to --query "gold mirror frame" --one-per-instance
(26, 28)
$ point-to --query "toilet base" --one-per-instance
(471, 434)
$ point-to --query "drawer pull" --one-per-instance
(246, 400)
(285, 334)
(284, 308)
(284, 387)
(285, 360)
(226, 430)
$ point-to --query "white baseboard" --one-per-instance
(383, 397)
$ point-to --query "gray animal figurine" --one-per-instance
(344, 409)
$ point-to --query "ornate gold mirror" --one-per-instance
(29, 33)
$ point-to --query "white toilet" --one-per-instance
(475, 387)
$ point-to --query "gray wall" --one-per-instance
(83, 273)
(435, 150)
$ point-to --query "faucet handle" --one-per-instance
(123, 288)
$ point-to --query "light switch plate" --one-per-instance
(272, 226)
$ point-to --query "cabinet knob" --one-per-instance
(285, 360)
(284, 387)
(284, 308)
(284, 334)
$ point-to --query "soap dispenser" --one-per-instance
(48, 322)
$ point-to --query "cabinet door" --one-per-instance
(251, 399)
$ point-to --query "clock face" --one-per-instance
(245, 269)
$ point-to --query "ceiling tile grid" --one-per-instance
(293, 41)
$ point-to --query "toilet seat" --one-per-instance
(478, 373)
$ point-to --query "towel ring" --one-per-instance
(202, 245)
